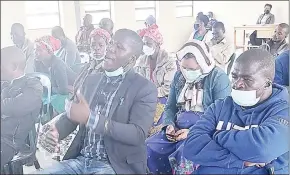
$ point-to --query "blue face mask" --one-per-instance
(115, 73)
(196, 26)
(191, 75)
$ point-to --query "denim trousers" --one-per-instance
(80, 165)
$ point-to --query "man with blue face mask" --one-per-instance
(246, 133)
(114, 116)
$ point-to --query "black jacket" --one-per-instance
(126, 127)
(20, 106)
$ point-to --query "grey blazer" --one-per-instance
(270, 20)
(126, 128)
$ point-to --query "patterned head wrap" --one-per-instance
(102, 33)
(155, 35)
(49, 43)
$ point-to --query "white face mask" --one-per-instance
(95, 58)
(115, 73)
(191, 75)
(148, 50)
(245, 98)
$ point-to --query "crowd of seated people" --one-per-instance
(140, 112)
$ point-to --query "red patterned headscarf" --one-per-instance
(49, 43)
(155, 35)
(102, 33)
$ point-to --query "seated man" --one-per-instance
(157, 66)
(264, 18)
(113, 129)
(68, 51)
(278, 43)
(107, 24)
(282, 69)
(220, 48)
(194, 88)
(18, 38)
(246, 133)
(20, 102)
(61, 76)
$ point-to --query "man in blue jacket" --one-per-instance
(246, 133)
(282, 69)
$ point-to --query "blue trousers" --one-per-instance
(80, 165)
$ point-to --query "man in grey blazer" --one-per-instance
(114, 114)
(266, 18)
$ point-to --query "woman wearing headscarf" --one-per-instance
(194, 88)
(200, 31)
(157, 66)
(61, 76)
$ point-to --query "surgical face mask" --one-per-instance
(191, 75)
(92, 55)
(245, 98)
(148, 50)
(196, 26)
(115, 73)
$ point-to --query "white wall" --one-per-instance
(175, 30)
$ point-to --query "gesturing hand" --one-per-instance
(78, 111)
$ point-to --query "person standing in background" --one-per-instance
(221, 50)
(82, 37)
(265, 18)
(20, 41)
(68, 51)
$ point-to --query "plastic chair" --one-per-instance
(46, 83)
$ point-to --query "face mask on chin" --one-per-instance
(115, 73)
(246, 98)
(92, 55)
(148, 50)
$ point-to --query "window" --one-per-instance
(42, 14)
(183, 9)
(143, 9)
(98, 9)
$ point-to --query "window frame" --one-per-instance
(96, 11)
(180, 6)
(44, 14)
(145, 8)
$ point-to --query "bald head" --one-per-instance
(107, 24)
(285, 27)
(126, 47)
(58, 33)
(258, 61)
(13, 62)
(132, 39)
(17, 34)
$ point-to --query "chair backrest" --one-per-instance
(230, 63)
(45, 81)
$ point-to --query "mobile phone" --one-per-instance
(171, 135)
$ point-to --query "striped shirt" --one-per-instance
(94, 143)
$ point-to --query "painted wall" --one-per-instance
(175, 30)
